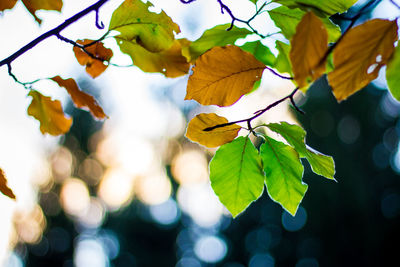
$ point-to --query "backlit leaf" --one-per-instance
(260, 52)
(392, 74)
(360, 55)
(4, 187)
(169, 62)
(136, 24)
(7, 4)
(49, 113)
(282, 62)
(326, 7)
(94, 66)
(236, 175)
(288, 18)
(217, 137)
(217, 36)
(223, 75)
(80, 98)
(283, 174)
(35, 5)
(295, 136)
(309, 45)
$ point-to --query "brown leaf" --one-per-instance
(7, 4)
(49, 113)
(94, 67)
(217, 137)
(3, 186)
(360, 55)
(80, 98)
(223, 75)
(309, 44)
(34, 5)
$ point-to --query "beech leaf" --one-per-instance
(392, 74)
(283, 174)
(223, 75)
(282, 62)
(236, 175)
(363, 51)
(80, 98)
(309, 45)
(7, 4)
(136, 24)
(326, 7)
(35, 5)
(94, 67)
(260, 52)
(4, 187)
(49, 113)
(217, 137)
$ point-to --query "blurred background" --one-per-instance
(133, 191)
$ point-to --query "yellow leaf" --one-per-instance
(7, 4)
(223, 75)
(169, 62)
(3, 186)
(94, 67)
(34, 5)
(80, 98)
(49, 113)
(309, 44)
(360, 55)
(217, 137)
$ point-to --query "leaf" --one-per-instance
(152, 31)
(94, 67)
(169, 62)
(283, 174)
(282, 63)
(288, 18)
(260, 52)
(392, 74)
(35, 5)
(326, 7)
(295, 136)
(309, 44)
(223, 75)
(7, 4)
(217, 137)
(360, 55)
(49, 113)
(3, 186)
(80, 98)
(236, 175)
(217, 36)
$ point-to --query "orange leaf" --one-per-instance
(35, 5)
(3, 186)
(217, 137)
(7, 4)
(309, 44)
(360, 55)
(49, 113)
(94, 67)
(80, 98)
(223, 75)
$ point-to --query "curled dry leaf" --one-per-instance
(49, 113)
(217, 137)
(94, 66)
(223, 75)
(80, 98)
(35, 5)
(3, 186)
(7, 4)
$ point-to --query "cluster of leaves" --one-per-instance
(312, 45)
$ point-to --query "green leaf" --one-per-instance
(260, 52)
(236, 175)
(282, 63)
(295, 136)
(326, 7)
(154, 32)
(287, 19)
(392, 74)
(283, 174)
(217, 36)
